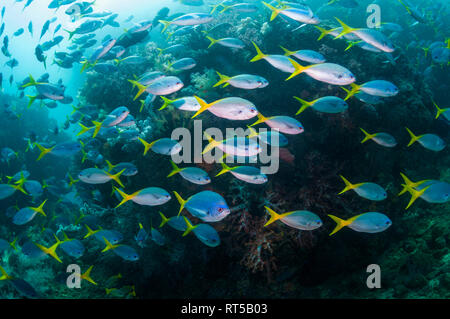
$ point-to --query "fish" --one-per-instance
(163, 86)
(248, 174)
(157, 237)
(98, 176)
(327, 104)
(183, 64)
(27, 214)
(4, 245)
(206, 205)
(233, 43)
(380, 88)
(188, 103)
(309, 56)
(124, 251)
(65, 149)
(189, 19)
(44, 28)
(432, 191)
(330, 73)
(142, 236)
(204, 232)
(231, 108)
(20, 285)
(371, 222)
(130, 168)
(383, 139)
(72, 247)
(7, 190)
(280, 62)
(242, 81)
(298, 219)
(19, 32)
(272, 137)
(194, 175)
(431, 142)
(87, 26)
(151, 196)
(371, 36)
(238, 7)
(176, 222)
(236, 146)
(112, 236)
(366, 190)
(164, 146)
(282, 123)
(303, 15)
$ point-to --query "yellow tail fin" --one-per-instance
(51, 251)
(97, 126)
(259, 54)
(273, 216)
(125, 197)
(19, 188)
(213, 41)
(164, 220)
(40, 209)
(13, 243)
(305, 105)
(109, 246)
(345, 29)
(181, 201)
(5, 275)
(87, 275)
(166, 24)
(110, 166)
(84, 129)
(203, 106)
(225, 169)
(167, 102)
(90, 232)
(340, 223)
(439, 110)
(261, 119)
(323, 32)
(413, 137)
(298, 69)
(223, 79)
(175, 170)
(115, 177)
(415, 194)
(147, 146)
(141, 88)
(44, 151)
(189, 227)
(274, 10)
(367, 136)
(410, 184)
(212, 144)
(355, 89)
(348, 185)
(287, 52)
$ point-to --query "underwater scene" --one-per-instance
(173, 149)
